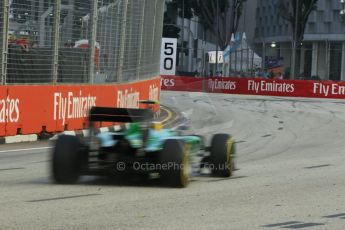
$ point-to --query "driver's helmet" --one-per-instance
(156, 126)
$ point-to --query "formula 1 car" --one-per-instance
(142, 147)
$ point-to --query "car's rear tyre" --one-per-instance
(222, 155)
(174, 163)
(67, 160)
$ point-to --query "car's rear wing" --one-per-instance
(123, 115)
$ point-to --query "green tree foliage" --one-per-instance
(174, 8)
(170, 30)
(230, 12)
(184, 7)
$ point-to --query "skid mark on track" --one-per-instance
(201, 100)
(8, 169)
(239, 142)
(317, 166)
(229, 100)
(340, 215)
(268, 135)
(293, 225)
(332, 118)
(63, 198)
(303, 225)
(39, 162)
(281, 224)
(225, 179)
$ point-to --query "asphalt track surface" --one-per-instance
(290, 158)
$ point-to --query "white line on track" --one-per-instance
(22, 150)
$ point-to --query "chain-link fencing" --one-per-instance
(4, 12)
(79, 41)
(314, 60)
(202, 62)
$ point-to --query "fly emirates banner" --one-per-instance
(32, 109)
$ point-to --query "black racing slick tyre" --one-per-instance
(174, 163)
(67, 160)
(222, 155)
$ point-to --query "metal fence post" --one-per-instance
(241, 60)
(56, 42)
(248, 62)
(236, 57)
(141, 32)
(252, 63)
(158, 34)
(328, 58)
(263, 64)
(230, 55)
(4, 48)
(122, 41)
(154, 28)
(92, 40)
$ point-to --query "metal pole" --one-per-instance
(241, 69)
(230, 53)
(342, 73)
(123, 36)
(56, 41)
(294, 44)
(248, 62)
(248, 58)
(263, 56)
(328, 58)
(190, 49)
(204, 55)
(160, 15)
(92, 40)
(182, 44)
(236, 55)
(252, 64)
(217, 35)
(244, 33)
(141, 32)
(154, 29)
(230, 64)
(4, 47)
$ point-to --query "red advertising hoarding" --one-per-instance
(256, 86)
(31, 109)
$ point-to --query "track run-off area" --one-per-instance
(290, 174)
